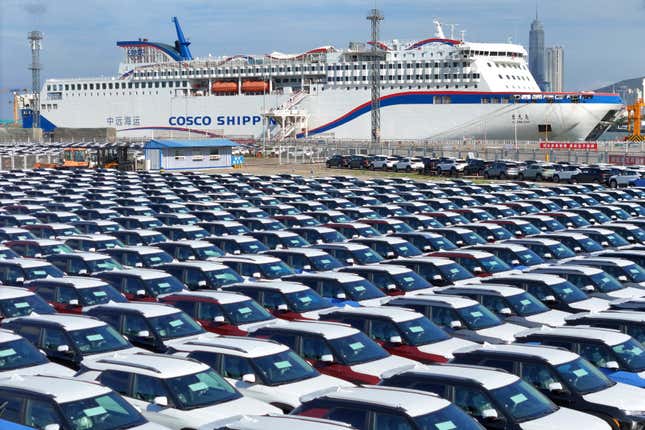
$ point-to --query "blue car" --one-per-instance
(617, 355)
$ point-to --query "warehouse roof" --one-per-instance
(202, 143)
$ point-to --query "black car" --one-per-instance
(475, 167)
(358, 162)
(337, 160)
(592, 174)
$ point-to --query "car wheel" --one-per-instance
(556, 179)
(486, 175)
(502, 175)
(613, 184)
(538, 177)
(520, 176)
(395, 169)
(453, 172)
(408, 169)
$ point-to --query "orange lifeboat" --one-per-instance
(224, 87)
(255, 87)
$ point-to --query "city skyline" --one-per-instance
(73, 47)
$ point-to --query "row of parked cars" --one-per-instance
(605, 174)
(192, 301)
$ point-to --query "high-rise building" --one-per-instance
(536, 52)
(554, 65)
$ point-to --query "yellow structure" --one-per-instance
(634, 118)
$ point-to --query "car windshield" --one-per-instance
(333, 236)
(500, 233)
(356, 349)
(245, 312)
(362, 290)
(197, 234)
(99, 295)
(631, 355)
(410, 281)
(559, 251)
(589, 245)
(614, 239)
(305, 301)
(472, 238)
(583, 376)
(221, 277)
(579, 221)
(525, 304)
(154, 238)
(43, 272)
(22, 306)
(493, 264)
(207, 252)
(156, 258)
(252, 247)
(366, 256)
(478, 317)
(529, 258)
(528, 229)
(19, 353)
(454, 272)
(406, 249)
(367, 232)
(440, 244)
(522, 401)
(164, 285)
(98, 339)
(634, 272)
(102, 264)
(283, 368)
(55, 249)
(294, 242)
(448, 418)
(567, 292)
(109, 244)
(421, 331)
(605, 282)
(175, 325)
(275, 270)
(324, 262)
(106, 412)
(201, 389)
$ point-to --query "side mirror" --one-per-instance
(437, 277)
(236, 252)
(390, 287)
(515, 262)
(588, 288)
(427, 248)
(390, 254)
(38, 255)
(160, 401)
(191, 257)
(622, 278)
(490, 238)
(517, 232)
(548, 255)
(256, 275)
(490, 415)
(396, 340)
(249, 378)
(341, 296)
(52, 427)
(327, 358)
(219, 319)
(549, 299)
(283, 307)
(73, 302)
(82, 272)
(455, 325)
(612, 365)
(604, 243)
(20, 280)
(139, 265)
(477, 270)
(306, 267)
(556, 387)
(577, 249)
(569, 224)
(354, 236)
(506, 312)
(201, 283)
(459, 242)
(350, 261)
(63, 348)
(143, 333)
(543, 228)
(279, 246)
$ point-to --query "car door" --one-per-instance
(144, 391)
(53, 341)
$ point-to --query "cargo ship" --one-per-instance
(433, 88)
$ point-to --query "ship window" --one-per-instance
(543, 128)
(163, 84)
(185, 83)
(130, 85)
(170, 83)
(136, 85)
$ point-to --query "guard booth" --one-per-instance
(188, 154)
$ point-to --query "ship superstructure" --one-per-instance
(434, 88)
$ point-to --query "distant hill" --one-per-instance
(626, 88)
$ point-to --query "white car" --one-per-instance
(451, 167)
(261, 369)
(282, 422)
(383, 162)
(565, 173)
(175, 392)
(623, 178)
(409, 164)
(18, 356)
(60, 404)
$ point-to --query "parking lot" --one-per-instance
(358, 298)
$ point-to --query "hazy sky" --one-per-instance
(600, 38)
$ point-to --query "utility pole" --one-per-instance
(375, 17)
(34, 40)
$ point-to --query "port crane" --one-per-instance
(634, 118)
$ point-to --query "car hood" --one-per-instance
(552, 317)
(203, 336)
(203, 416)
(257, 325)
(378, 367)
(566, 418)
(505, 331)
(445, 348)
(291, 393)
(592, 304)
(621, 396)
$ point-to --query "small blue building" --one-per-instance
(188, 154)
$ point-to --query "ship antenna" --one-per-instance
(181, 44)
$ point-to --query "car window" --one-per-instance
(52, 338)
(355, 417)
(132, 285)
(539, 375)
(285, 339)
(118, 381)
(272, 299)
(473, 401)
(314, 347)
(146, 388)
(47, 293)
(330, 289)
(193, 277)
(11, 407)
(596, 353)
(443, 316)
(235, 367)
(66, 294)
(383, 330)
(494, 303)
(133, 324)
(385, 421)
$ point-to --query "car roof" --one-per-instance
(220, 296)
(74, 281)
(393, 269)
(234, 345)
(61, 390)
(617, 315)
(202, 265)
(488, 378)
(553, 355)
(503, 289)
(92, 237)
(310, 252)
(7, 292)
(67, 321)
(350, 246)
(515, 247)
(144, 274)
(456, 302)
(282, 286)
(282, 422)
(548, 279)
(156, 365)
(83, 255)
(613, 261)
(341, 277)
(607, 336)
(396, 314)
(8, 336)
(476, 254)
(534, 241)
(569, 268)
(149, 310)
(25, 262)
(329, 330)
(413, 402)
